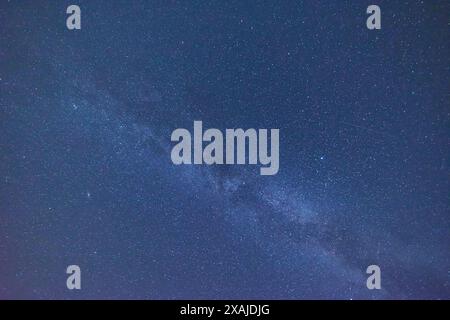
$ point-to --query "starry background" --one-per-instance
(86, 175)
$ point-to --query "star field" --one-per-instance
(85, 170)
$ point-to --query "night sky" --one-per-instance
(86, 176)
